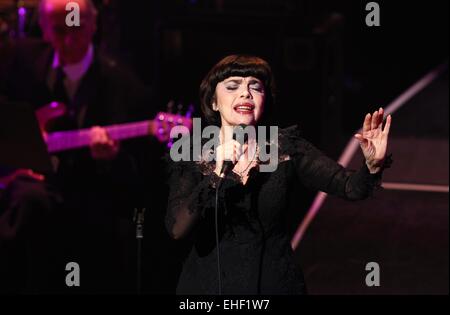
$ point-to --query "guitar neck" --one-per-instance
(69, 140)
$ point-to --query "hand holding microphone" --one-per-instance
(228, 154)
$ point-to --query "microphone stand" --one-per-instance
(139, 221)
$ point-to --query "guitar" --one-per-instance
(60, 141)
(75, 139)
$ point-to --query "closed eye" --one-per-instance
(231, 87)
(257, 87)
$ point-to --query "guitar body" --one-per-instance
(48, 116)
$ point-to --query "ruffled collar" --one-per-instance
(284, 145)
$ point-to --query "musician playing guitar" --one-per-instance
(82, 213)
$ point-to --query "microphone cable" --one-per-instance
(227, 166)
(219, 273)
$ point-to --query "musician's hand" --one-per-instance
(102, 146)
(374, 139)
(23, 173)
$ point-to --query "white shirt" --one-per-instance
(74, 72)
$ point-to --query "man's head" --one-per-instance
(71, 42)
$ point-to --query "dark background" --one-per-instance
(326, 60)
(330, 67)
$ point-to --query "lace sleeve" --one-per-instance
(317, 171)
(191, 195)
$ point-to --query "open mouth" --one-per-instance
(245, 109)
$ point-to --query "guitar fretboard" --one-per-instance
(68, 140)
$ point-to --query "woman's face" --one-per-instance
(240, 100)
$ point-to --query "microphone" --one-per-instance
(228, 165)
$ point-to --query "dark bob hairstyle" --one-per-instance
(234, 65)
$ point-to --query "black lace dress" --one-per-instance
(255, 252)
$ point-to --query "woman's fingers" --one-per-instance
(380, 118)
(374, 122)
(367, 120)
(239, 150)
(387, 127)
(230, 151)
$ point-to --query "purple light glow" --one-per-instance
(22, 11)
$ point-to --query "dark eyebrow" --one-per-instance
(237, 81)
